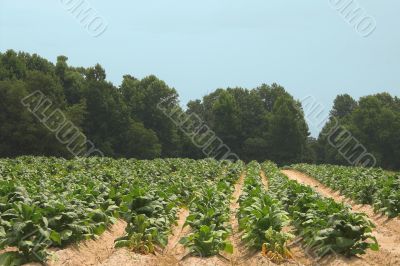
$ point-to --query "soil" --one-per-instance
(90, 252)
(171, 255)
(175, 253)
(387, 231)
(174, 248)
(125, 257)
(238, 249)
(299, 254)
(101, 252)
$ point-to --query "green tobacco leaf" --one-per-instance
(55, 237)
(45, 221)
(163, 241)
(343, 242)
(228, 248)
(11, 259)
(184, 240)
(122, 243)
(101, 228)
(66, 234)
(2, 232)
(374, 246)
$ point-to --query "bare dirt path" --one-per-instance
(125, 257)
(90, 252)
(238, 249)
(387, 231)
(174, 249)
(264, 179)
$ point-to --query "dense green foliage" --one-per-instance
(125, 121)
(366, 186)
(49, 202)
(326, 226)
(264, 123)
(209, 214)
(108, 116)
(373, 121)
(262, 218)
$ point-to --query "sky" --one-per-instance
(308, 46)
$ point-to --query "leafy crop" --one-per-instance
(364, 185)
(262, 218)
(209, 214)
(325, 226)
(51, 202)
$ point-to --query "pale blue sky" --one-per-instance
(198, 46)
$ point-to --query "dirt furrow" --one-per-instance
(264, 179)
(387, 231)
(234, 207)
(90, 252)
(174, 248)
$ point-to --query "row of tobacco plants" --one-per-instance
(326, 227)
(52, 202)
(262, 218)
(364, 185)
(209, 213)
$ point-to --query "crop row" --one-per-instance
(151, 209)
(209, 214)
(325, 226)
(262, 218)
(49, 202)
(364, 185)
(52, 202)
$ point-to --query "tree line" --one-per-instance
(126, 120)
(371, 124)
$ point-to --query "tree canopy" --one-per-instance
(262, 123)
(373, 122)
